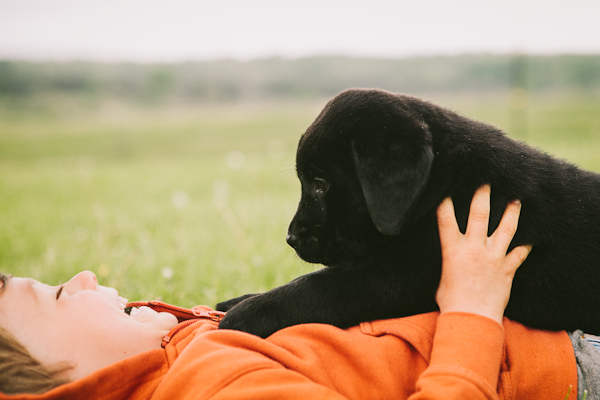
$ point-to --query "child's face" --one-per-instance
(83, 323)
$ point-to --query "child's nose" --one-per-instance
(85, 280)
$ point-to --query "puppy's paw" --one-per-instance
(229, 304)
(256, 315)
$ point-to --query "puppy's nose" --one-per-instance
(292, 240)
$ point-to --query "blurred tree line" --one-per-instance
(279, 78)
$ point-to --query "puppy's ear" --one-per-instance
(393, 169)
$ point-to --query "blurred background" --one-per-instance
(153, 142)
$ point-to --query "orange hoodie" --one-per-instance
(429, 356)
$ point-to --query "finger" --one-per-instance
(479, 214)
(447, 225)
(516, 257)
(507, 227)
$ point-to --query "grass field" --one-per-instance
(190, 204)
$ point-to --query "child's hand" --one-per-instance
(477, 273)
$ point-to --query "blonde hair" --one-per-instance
(21, 372)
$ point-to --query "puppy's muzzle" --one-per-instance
(292, 240)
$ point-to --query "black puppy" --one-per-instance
(374, 166)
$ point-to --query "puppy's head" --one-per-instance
(362, 164)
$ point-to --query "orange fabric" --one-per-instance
(455, 355)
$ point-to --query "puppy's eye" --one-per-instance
(321, 185)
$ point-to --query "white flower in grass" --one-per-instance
(221, 192)
(167, 273)
(180, 199)
(257, 260)
(235, 159)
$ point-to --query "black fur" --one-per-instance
(374, 166)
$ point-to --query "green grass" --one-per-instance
(134, 194)
(131, 195)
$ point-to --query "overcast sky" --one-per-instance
(177, 30)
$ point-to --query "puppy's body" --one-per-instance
(374, 166)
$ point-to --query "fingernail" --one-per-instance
(517, 202)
